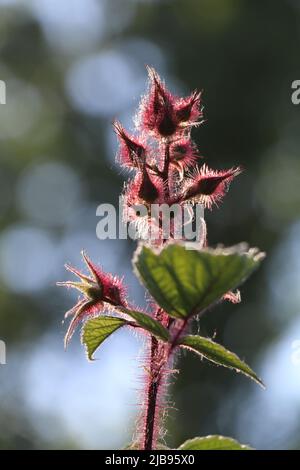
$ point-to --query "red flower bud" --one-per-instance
(148, 192)
(143, 189)
(183, 154)
(189, 109)
(131, 152)
(157, 108)
(208, 186)
(100, 291)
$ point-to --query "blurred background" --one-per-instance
(70, 68)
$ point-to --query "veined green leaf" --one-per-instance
(96, 330)
(185, 282)
(148, 323)
(216, 353)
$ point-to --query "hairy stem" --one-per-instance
(151, 399)
(165, 171)
(180, 331)
(158, 363)
(158, 359)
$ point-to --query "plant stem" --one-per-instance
(157, 359)
(179, 333)
(151, 398)
(165, 171)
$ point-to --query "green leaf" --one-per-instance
(95, 331)
(184, 281)
(217, 354)
(213, 443)
(148, 323)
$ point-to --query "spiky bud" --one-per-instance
(157, 113)
(132, 152)
(189, 110)
(209, 186)
(100, 290)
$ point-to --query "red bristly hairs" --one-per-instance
(165, 160)
(166, 165)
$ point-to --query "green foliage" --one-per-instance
(217, 354)
(96, 331)
(148, 323)
(213, 443)
(184, 282)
